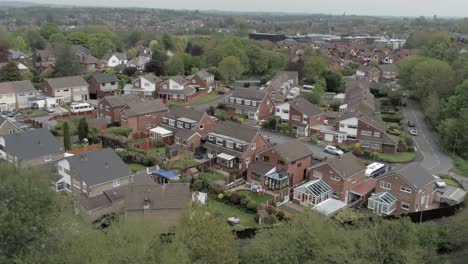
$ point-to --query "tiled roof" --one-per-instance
(346, 165)
(414, 174)
(248, 94)
(187, 112)
(32, 143)
(121, 100)
(305, 107)
(66, 82)
(293, 150)
(235, 130)
(105, 77)
(136, 108)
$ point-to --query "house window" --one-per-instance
(154, 115)
(255, 176)
(107, 108)
(180, 124)
(406, 190)
(254, 103)
(148, 114)
(76, 183)
(116, 183)
(238, 101)
(268, 102)
(405, 206)
(335, 178)
(48, 158)
(266, 158)
(317, 174)
(171, 122)
(247, 160)
(335, 194)
(232, 99)
(376, 145)
(165, 119)
(254, 146)
(100, 106)
(247, 102)
(187, 126)
(148, 126)
(124, 118)
(201, 126)
(210, 138)
(296, 118)
(229, 144)
(385, 185)
(278, 110)
(366, 133)
(177, 140)
(352, 126)
(219, 141)
(377, 134)
(285, 111)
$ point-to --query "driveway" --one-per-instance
(204, 107)
(432, 156)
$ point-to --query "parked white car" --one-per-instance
(333, 150)
(439, 182)
(413, 132)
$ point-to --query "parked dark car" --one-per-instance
(198, 155)
(411, 123)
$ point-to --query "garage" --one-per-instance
(328, 138)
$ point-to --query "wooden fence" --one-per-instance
(85, 149)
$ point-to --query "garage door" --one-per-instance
(329, 137)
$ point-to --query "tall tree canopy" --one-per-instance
(230, 68)
(67, 64)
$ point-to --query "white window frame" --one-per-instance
(366, 133)
(180, 124)
(171, 122)
(201, 126)
(376, 134)
(116, 183)
(317, 174)
(254, 145)
(405, 206)
(178, 140)
(405, 190)
(296, 118)
(211, 137)
(229, 144)
(238, 100)
(254, 103)
(385, 185)
(219, 141)
(335, 178)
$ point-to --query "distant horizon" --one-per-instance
(416, 8)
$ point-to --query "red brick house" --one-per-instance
(372, 73)
(144, 86)
(409, 189)
(202, 80)
(188, 126)
(389, 71)
(102, 84)
(143, 115)
(178, 89)
(301, 115)
(281, 168)
(110, 107)
(66, 89)
(345, 175)
(234, 146)
(254, 103)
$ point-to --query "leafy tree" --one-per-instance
(21, 45)
(57, 38)
(314, 68)
(78, 38)
(66, 136)
(258, 60)
(129, 71)
(407, 68)
(204, 237)
(175, 65)
(196, 50)
(100, 44)
(133, 38)
(159, 54)
(153, 44)
(48, 30)
(155, 66)
(4, 53)
(432, 76)
(230, 68)
(167, 41)
(188, 48)
(10, 72)
(82, 129)
(132, 53)
(27, 207)
(35, 40)
(67, 63)
(334, 81)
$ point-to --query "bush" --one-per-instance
(407, 139)
(395, 132)
(197, 185)
(314, 139)
(411, 149)
(220, 196)
(252, 206)
(235, 198)
(394, 126)
(392, 119)
(281, 215)
(159, 144)
(270, 220)
(119, 131)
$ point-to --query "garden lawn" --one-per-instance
(212, 177)
(450, 181)
(400, 157)
(204, 99)
(181, 164)
(254, 196)
(33, 112)
(153, 152)
(136, 167)
(247, 220)
(461, 166)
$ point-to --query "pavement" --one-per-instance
(204, 107)
(430, 154)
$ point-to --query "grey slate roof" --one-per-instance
(346, 166)
(66, 82)
(159, 196)
(33, 143)
(237, 131)
(151, 77)
(293, 150)
(261, 167)
(98, 167)
(306, 107)
(121, 100)
(249, 94)
(414, 174)
(105, 77)
(136, 108)
(187, 112)
(203, 74)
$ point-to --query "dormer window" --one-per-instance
(146, 203)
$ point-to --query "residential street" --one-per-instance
(431, 155)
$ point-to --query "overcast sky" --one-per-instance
(457, 8)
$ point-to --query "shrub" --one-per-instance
(197, 185)
(395, 132)
(408, 139)
(394, 126)
(281, 215)
(252, 206)
(392, 118)
(314, 139)
(220, 196)
(244, 199)
(270, 220)
(411, 149)
(159, 144)
(235, 198)
(119, 131)
(357, 149)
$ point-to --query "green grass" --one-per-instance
(136, 167)
(212, 177)
(153, 152)
(254, 196)
(450, 181)
(246, 219)
(204, 99)
(173, 104)
(182, 164)
(461, 166)
(346, 147)
(33, 112)
(400, 157)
